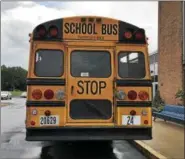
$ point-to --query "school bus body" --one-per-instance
(88, 108)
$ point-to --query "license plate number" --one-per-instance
(49, 120)
(131, 120)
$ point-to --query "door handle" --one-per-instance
(72, 90)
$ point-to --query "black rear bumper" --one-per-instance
(82, 134)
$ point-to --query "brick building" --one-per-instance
(184, 48)
(170, 47)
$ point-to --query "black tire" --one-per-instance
(45, 153)
(61, 150)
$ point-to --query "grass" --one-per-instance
(16, 93)
(4, 104)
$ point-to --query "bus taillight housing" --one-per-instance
(132, 95)
(143, 95)
(139, 35)
(37, 94)
(48, 94)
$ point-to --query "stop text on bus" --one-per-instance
(90, 87)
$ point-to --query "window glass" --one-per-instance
(49, 63)
(131, 65)
(90, 64)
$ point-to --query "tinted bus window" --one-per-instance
(90, 64)
(131, 65)
(49, 63)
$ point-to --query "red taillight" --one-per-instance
(139, 35)
(41, 31)
(132, 112)
(132, 95)
(143, 95)
(49, 94)
(37, 94)
(32, 123)
(53, 31)
(47, 112)
(146, 122)
(128, 34)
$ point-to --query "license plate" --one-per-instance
(49, 120)
(131, 120)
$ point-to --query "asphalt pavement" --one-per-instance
(14, 146)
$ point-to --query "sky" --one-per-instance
(18, 19)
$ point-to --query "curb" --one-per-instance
(147, 151)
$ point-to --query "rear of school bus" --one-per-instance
(88, 79)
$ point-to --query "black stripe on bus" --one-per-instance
(133, 104)
(45, 81)
(45, 103)
(139, 83)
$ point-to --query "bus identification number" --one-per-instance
(131, 120)
(90, 87)
(49, 120)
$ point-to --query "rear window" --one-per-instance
(90, 64)
(131, 65)
(49, 63)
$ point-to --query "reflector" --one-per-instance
(47, 112)
(32, 123)
(132, 112)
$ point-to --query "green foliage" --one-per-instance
(180, 95)
(158, 103)
(13, 78)
(16, 93)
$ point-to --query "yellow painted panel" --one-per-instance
(54, 111)
(126, 111)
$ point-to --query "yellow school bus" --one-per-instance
(88, 79)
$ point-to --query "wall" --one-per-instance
(170, 50)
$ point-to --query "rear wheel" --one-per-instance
(83, 149)
(61, 150)
(46, 153)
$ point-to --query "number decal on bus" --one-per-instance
(47, 120)
(130, 120)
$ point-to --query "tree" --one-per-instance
(13, 78)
